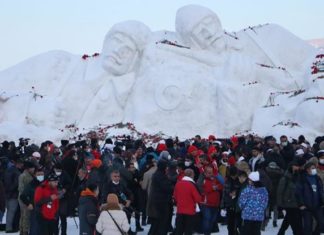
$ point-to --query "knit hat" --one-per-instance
(211, 138)
(192, 148)
(36, 155)
(52, 177)
(304, 145)
(231, 161)
(299, 152)
(254, 176)
(165, 155)
(161, 147)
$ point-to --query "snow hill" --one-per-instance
(262, 80)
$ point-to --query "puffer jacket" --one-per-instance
(106, 225)
(253, 202)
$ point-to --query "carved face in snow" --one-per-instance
(208, 34)
(119, 54)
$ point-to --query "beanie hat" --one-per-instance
(320, 153)
(52, 177)
(254, 176)
(211, 138)
(299, 152)
(192, 148)
(165, 155)
(161, 147)
(304, 145)
(36, 155)
(96, 163)
(231, 161)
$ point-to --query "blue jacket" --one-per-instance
(253, 202)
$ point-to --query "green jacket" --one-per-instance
(286, 196)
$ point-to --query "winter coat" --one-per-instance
(162, 189)
(286, 197)
(44, 205)
(11, 179)
(106, 225)
(186, 196)
(27, 196)
(161, 192)
(210, 196)
(287, 154)
(146, 186)
(24, 179)
(119, 189)
(231, 185)
(253, 202)
(2, 198)
(88, 212)
(305, 193)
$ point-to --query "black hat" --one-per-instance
(64, 142)
(52, 177)
(28, 165)
(5, 144)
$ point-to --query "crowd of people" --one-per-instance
(242, 182)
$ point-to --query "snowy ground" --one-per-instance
(73, 230)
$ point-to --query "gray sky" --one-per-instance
(31, 27)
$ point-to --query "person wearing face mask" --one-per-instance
(310, 199)
(46, 200)
(118, 187)
(189, 164)
(286, 199)
(286, 150)
(64, 189)
(27, 197)
(88, 209)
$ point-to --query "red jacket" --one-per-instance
(211, 197)
(42, 198)
(186, 196)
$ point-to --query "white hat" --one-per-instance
(299, 152)
(254, 176)
(304, 145)
(36, 155)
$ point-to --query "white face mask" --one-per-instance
(114, 182)
(187, 163)
(314, 172)
(321, 161)
(58, 173)
(40, 178)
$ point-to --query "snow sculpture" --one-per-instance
(199, 79)
(121, 55)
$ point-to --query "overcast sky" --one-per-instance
(31, 27)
